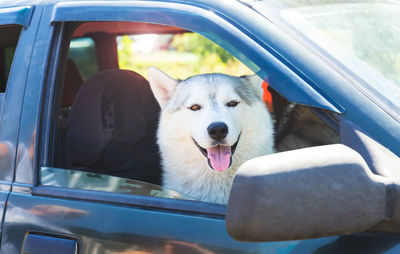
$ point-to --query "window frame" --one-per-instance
(21, 17)
(169, 204)
(242, 40)
(18, 15)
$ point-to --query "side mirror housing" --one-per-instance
(306, 193)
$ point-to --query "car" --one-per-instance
(64, 189)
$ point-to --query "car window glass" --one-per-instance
(93, 181)
(82, 52)
(351, 32)
(8, 41)
(7, 54)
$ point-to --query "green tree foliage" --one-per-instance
(191, 42)
(189, 54)
(125, 53)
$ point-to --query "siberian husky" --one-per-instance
(209, 125)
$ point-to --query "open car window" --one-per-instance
(103, 129)
(105, 116)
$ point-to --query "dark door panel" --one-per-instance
(107, 228)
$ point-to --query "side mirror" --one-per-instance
(306, 193)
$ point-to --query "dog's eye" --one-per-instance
(232, 103)
(195, 107)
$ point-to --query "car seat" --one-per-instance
(112, 127)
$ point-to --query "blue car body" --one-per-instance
(44, 219)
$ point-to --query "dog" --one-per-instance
(209, 125)
(301, 128)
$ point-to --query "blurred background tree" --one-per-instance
(180, 55)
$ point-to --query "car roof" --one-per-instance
(8, 3)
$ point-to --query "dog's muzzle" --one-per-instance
(219, 157)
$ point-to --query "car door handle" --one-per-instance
(37, 243)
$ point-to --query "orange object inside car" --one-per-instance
(267, 97)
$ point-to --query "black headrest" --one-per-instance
(111, 105)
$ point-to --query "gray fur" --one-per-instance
(240, 85)
(245, 93)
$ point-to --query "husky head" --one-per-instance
(209, 111)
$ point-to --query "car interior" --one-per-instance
(8, 40)
(9, 36)
(107, 116)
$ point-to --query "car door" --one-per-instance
(16, 34)
(89, 215)
(42, 218)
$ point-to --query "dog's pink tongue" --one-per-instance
(220, 157)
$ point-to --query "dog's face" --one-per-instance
(209, 111)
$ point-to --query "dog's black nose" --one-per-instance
(217, 130)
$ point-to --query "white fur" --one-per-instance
(185, 168)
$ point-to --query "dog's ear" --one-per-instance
(162, 85)
(255, 82)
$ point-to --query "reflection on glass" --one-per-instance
(362, 35)
(92, 181)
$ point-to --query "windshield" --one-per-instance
(362, 35)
